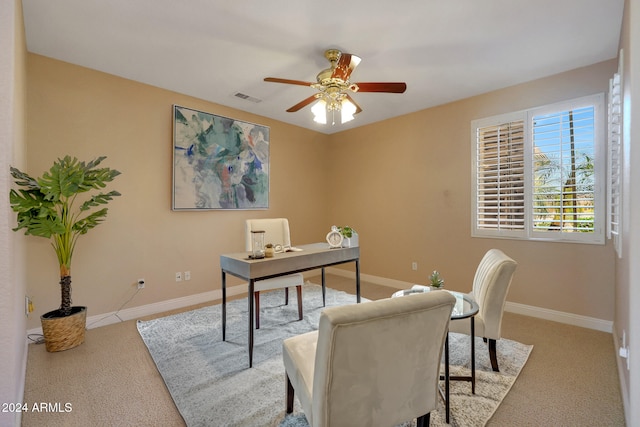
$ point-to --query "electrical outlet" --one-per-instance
(414, 266)
(187, 275)
(28, 306)
(178, 276)
(141, 283)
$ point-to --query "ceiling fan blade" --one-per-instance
(287, 81)
(302, 104)
(358, 109)
(388, 87)
(346, 64)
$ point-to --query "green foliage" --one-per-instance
(436, 280)
(563, 196)
(346, 231)
(46, 206)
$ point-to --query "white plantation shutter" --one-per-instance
(539, 174)
(615, 162)
(500, 177)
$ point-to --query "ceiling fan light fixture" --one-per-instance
(322, 108)
(347, 111)
(319, 111)
(333, 86)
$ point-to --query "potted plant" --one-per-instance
(350, 237)
(48, 207)
(436, 281)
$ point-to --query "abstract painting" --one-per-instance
(218, 162)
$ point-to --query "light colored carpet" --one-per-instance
(212, 385)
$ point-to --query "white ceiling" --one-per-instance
(444, 50)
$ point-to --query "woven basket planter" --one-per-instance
(64, 332)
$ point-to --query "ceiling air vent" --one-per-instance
(246, 97)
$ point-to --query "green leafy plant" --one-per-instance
(46, 207)
(346, 231)
(435, 280)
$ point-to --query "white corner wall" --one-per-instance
(13, 345)
(633, 410)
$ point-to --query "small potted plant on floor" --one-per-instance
(48, 207)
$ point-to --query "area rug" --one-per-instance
(212, 385)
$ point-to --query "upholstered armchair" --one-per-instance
(490, 286)
(276, 231)
(370, 364)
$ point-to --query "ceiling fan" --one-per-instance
(334, 88)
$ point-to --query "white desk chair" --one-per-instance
(276, 231)
(490, 286)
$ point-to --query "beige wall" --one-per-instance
(404, 184)
(84, 113)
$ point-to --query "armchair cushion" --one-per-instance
(375, 363)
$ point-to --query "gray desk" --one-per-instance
(311, 257)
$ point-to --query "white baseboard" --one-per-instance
(105, 319)
(177, 303)
(376, 280)
(622, 375)
(512, 307)
(560, 316)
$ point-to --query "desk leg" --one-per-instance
(323, 288)
(358, 280)
(250, 299)
(446, 378)
(473, 355)
(224, 305)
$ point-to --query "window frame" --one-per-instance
(597, 101)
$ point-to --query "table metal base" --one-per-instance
(447, 377)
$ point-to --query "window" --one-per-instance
(537, 173)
